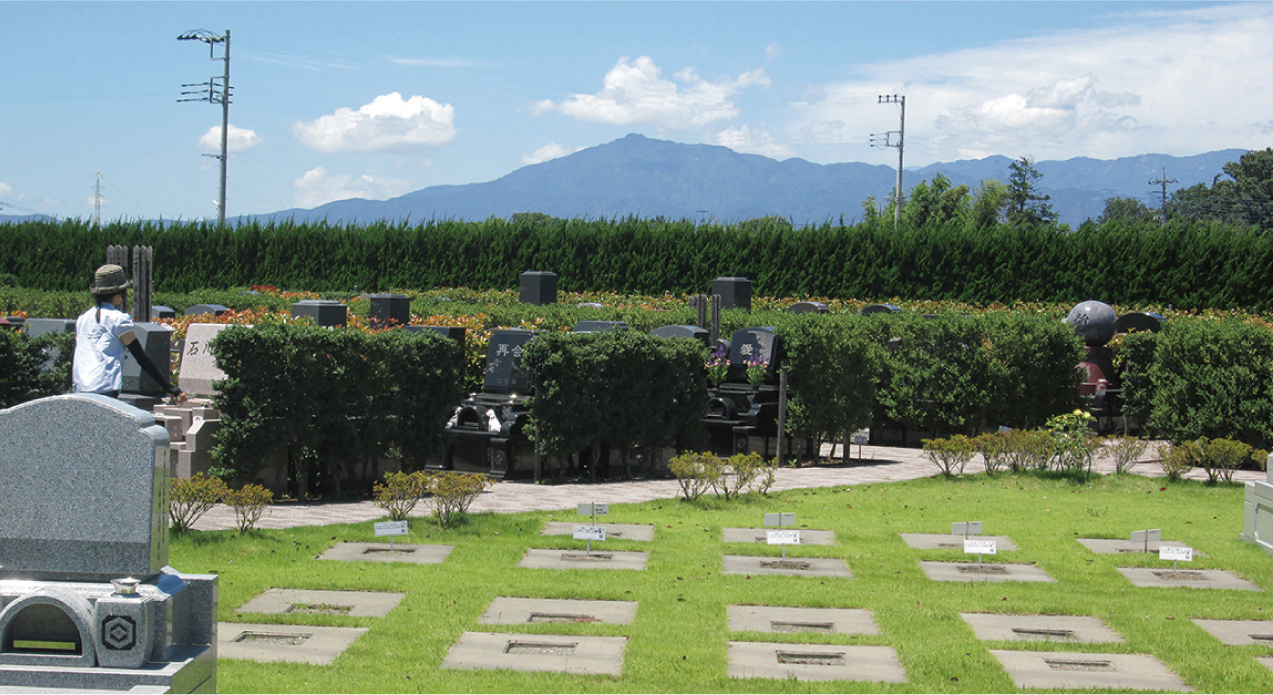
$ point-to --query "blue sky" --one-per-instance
(373, 100)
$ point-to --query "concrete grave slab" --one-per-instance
(840, 621)
(815, 662)
(1076, 670)
(1266, 660)
(305, 644)
(513, 611)
(371, 604)
(985, 572)
(618, 532)
(1183, 577)
(384, 552)
(759, 535)
(544, 558)
(945, 541)
(1239, 632)
(581, 654)
(1114, 545)
(790, 567)
(1039, 628)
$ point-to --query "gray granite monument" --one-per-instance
(87, 601)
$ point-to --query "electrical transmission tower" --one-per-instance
(886, 140)
(1163, 181)
(215, 91)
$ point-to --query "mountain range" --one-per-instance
(645, 177)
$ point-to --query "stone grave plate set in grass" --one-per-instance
(1081, 670)
(1241, 633)
(983, 572)
(814, 662)
(788, 566)
(305, 644)
(308, 644)
(1191, 578)
(1039, 628)
(783, 619)
(515, 611)
(545, 558)
(386, 552)
(580, 654)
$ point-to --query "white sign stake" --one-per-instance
(589, 533)
(980, 547)
(391, 529)
(781, 519)
(1175, 555)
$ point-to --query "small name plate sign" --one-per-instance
(981, 547)
(594, 509)
(784, 537)
(965, 528)
(1176, 554)
(391, 528)
(590, 533)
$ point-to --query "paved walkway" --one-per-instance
(875, 464)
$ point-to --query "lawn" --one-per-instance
(678, 640)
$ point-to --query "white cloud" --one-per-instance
(388, 124)
(758, 141)
(550, 151)
(317, 187)
(1175, 82)
(634, 92)
(237, 140)
(772, 51)
(5, 189)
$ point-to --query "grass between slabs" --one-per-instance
(677, 643)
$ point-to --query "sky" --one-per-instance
(334, 100)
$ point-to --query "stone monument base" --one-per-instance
(193, 670)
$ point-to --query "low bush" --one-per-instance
(1125, 451)
(249, 503)
(191, 498)
(451, 493)
(951, 455)
(400, 493)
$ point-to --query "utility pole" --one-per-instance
(216, 93)
(97, 201)
(886, 140)
(1163, 180)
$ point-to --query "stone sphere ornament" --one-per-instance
(1093, 321)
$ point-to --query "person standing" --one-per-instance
(102, 333)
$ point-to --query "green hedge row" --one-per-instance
(1184, 264)
(328, 399)
(1201, 377)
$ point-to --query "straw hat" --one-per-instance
(110, 279)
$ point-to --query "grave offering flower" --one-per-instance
(717, 366)
(757, 370)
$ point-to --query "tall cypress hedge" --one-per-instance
(1184, 264)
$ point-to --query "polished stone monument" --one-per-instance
(87, 601)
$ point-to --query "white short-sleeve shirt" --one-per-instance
(99, 351)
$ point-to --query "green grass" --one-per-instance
(677, 642)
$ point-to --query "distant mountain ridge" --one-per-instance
(641, 176)
(645, 177)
